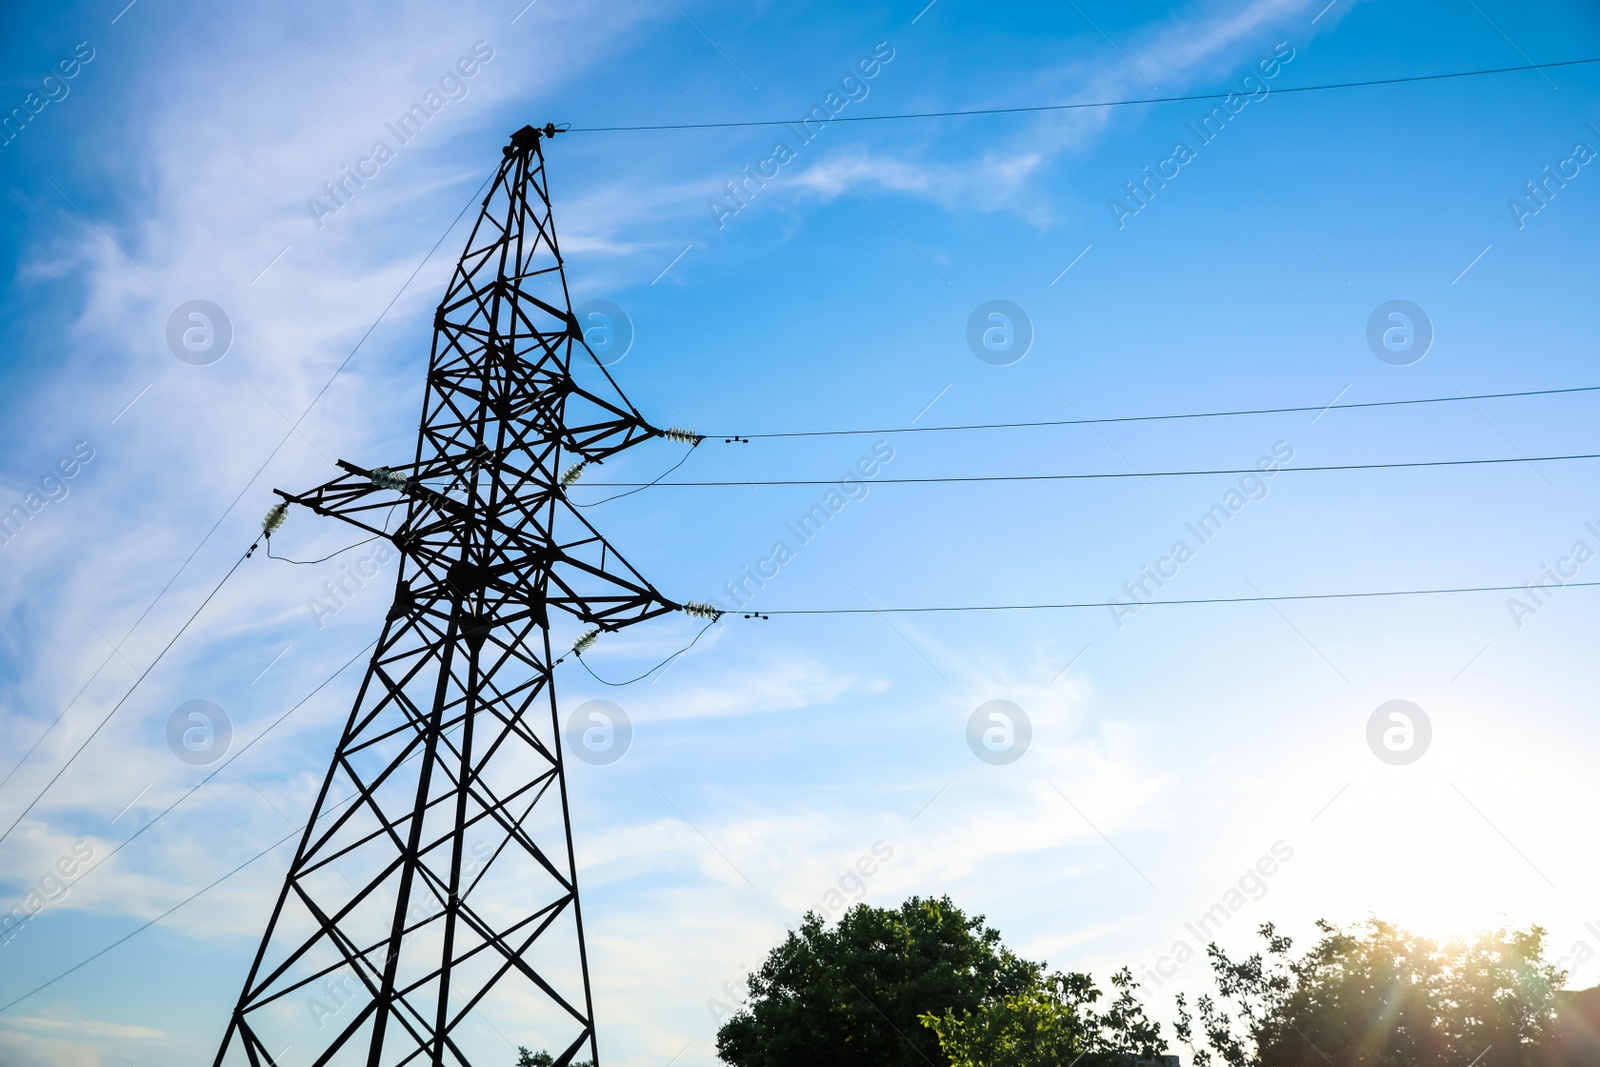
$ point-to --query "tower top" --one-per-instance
(528, 137)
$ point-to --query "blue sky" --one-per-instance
(1169, 753)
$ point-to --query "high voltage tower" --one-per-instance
(435, 885)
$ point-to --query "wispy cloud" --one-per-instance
(1198, 44)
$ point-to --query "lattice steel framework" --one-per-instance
(435, 886)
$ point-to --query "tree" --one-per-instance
(1380, 997)
(1045, 1025)
(1052, 1023)
(528, 1058)
(1501, 994)
(1124, 1033)
(853, 995)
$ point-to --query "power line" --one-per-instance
(145, 926)
(1166, 603)
(641, 488)
(324, 559)
(1299, 409)
(292, 429)
(1101, 475)
(295, 426)
(115, 707)
(844, 611)
(227, 762)
(63, 714)
(652, 670)
(212, 885)
(1040, 108)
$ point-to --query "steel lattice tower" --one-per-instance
(436, 879)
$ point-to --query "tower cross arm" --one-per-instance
(613, 429)
(358, 495)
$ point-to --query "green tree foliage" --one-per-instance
(853, 995)
(925, 985)
(1044, 1025)
(528, 1058)
(1379, 996)
(1052, 1023)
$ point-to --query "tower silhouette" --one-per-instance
(435, 888)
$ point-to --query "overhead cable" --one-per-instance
(1102, 475)
(115, 707)
(1108, 420)
(1102, 604)
(1028, 109)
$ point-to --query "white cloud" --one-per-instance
(29, 1050)
(46, 1024)
(1200, 43)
